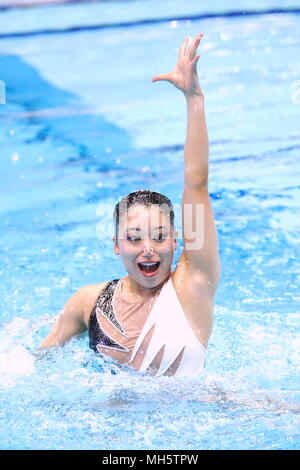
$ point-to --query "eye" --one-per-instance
(133, 239)
(160, 237)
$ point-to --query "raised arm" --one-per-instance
(200, 252)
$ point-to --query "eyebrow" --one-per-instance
(138, 229)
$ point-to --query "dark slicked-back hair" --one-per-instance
(143, 197)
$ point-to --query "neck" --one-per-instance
(131, 288)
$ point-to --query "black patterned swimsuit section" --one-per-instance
(97, 336)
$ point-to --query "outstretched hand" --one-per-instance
(184, 75)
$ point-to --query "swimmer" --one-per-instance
(154, 320)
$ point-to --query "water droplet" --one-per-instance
(15, 157)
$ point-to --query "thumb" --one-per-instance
(162, 76)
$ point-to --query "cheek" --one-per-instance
(167, 249)
(127, 250)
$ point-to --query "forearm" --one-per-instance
(184, 77)
(196, 148)
(58, 336)
(51, 341)
(65, 328)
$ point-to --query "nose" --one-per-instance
(148, 251)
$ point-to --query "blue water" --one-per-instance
(83, 125)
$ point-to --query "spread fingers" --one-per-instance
(183, 48)
(194, 45)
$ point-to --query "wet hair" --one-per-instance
(143, 197)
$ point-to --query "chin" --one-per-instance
(154, 280)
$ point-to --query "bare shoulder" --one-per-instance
(187, 279)
(90, 293)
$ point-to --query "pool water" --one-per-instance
(83, 126)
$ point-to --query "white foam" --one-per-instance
(15, 363)
(15, 360)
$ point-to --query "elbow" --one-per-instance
(194, 179)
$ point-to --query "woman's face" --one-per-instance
(146, 244)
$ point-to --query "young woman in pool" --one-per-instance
(154, 320)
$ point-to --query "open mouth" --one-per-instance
(149, 269)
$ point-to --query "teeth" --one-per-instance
(148, 264)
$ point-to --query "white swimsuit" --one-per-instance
(111, 332)
(172, 331)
